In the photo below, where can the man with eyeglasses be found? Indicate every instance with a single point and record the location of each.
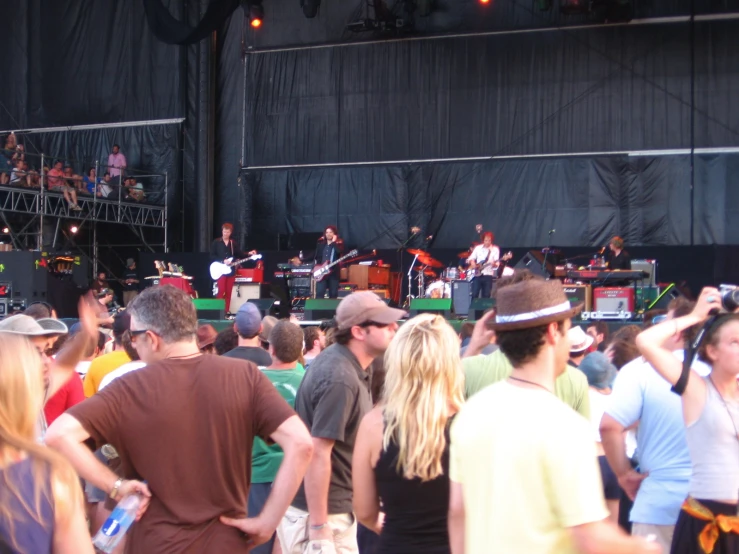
(331, 401)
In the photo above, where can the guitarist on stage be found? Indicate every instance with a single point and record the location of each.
(222, 250)
(483, 261)
(329, 249)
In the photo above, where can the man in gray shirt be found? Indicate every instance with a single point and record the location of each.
(331, 401)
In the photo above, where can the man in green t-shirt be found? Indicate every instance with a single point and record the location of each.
(285, 347)
(571, 387)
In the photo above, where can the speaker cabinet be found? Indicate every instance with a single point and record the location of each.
(320, 308)
(577, 294)
(441, 306)
(481, 305)
(613, 299)
(534, 262)
(210, 308)
(461, 297)
(243, 292)
(264, 304)
(664, 298)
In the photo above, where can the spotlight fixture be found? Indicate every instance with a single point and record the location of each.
(256, 15)
(484, 2)
(73, 229)
(310, 7)
(6, 231)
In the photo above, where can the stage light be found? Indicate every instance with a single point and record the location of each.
(256, 15)
(310, 7)
(6, 231)
(73, 229)
(484, 2)
(256, 23)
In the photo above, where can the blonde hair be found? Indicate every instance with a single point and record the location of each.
(21, 402)
(424, 386)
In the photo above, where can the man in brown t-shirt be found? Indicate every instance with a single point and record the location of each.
(185, 424)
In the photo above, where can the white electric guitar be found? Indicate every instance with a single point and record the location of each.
(219, 269)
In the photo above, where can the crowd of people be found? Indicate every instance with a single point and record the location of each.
(523, 433)
(115, 183)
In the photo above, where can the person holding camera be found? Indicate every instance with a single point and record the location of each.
(709, 520)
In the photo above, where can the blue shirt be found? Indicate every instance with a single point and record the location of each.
(641, 395)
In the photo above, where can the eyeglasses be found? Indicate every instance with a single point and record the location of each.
(374, 324)
(136, 333)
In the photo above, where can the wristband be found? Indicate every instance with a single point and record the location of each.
(116, 487)
(318, 527)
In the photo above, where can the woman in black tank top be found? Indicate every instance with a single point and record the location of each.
(400, 469)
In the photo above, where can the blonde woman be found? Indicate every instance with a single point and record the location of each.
(401, 456)
(41, 509)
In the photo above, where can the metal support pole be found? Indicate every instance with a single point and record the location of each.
(166, 204)
(41, 209)
(94, 250)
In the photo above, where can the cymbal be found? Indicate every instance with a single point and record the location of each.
(426, 270)
(416, 252)
(429, 261)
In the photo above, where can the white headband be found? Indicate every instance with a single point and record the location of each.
(528, 316)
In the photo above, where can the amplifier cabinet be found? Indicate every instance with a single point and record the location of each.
(577, 294)
(246, 291)
(613, 299)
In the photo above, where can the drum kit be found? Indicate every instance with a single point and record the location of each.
(440, 283)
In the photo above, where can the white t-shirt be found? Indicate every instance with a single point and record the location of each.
(125, 368)
(482, 254)
(82, 368)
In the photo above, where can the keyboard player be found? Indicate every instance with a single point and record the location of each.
(618, 258)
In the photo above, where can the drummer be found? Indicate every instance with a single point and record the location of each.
(482, 262)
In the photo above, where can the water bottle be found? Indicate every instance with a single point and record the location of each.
(116, 526)
(300, 256)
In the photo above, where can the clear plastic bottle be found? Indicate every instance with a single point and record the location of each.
(116, 526)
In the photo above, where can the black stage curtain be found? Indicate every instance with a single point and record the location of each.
(585, 200)
(606, 89)
(171, 30)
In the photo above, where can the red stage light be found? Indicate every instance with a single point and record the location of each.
(484, 1)
(256, 23)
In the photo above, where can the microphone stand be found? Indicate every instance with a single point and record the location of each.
(546, 255)
(410, 283)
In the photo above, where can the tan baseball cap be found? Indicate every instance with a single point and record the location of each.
(361, 307)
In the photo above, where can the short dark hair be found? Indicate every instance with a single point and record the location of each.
(465, 331)
(286, 340)
(106, 173)
(128, 346)
(601, 328)
(627, 332)
(333, 228)
(38, 310)
(523, 345)
(116, 146)
(311, 334)
(341, 336)
(167, 311)
(226, 340)
(624, 350)
(618, 242)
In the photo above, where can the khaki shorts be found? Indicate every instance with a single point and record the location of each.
(293, 534)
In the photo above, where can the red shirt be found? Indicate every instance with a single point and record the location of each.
(70, 394)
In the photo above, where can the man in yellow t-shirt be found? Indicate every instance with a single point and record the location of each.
(523, 467)
(103, 365)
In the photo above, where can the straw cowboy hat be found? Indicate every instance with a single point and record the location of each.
(530, 303)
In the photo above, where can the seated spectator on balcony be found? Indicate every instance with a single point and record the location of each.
(18, 176)
(135, 191)
(19, 154)
(57, 183)
(34, 179)
(73, 180)
(105, 186)
(90, 181)
(4, 178)
(116, 162)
